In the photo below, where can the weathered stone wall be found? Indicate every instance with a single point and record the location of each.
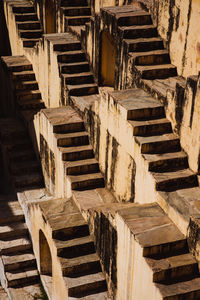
(178, 25)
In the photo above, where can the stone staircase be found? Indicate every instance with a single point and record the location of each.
(142, 42)
(27, 23)
(160, 148)
(76, 14)
(76, 77)
(76, 251)
(26, 90)
(174, 271)
(21, 161)
(82, 169)
(15, 247)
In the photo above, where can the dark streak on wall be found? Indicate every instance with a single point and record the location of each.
(186, 37)
(192, 81)
(114, 160)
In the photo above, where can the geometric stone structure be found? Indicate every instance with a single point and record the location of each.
(99, 140)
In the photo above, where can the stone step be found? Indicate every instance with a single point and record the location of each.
(20, 66)
(72, 139)
(73, 68)
(159, 144)
(14, 229)
(11, 212)
(75, 56)
(23, 155)
(167, 161)
(77, 11)
(82, 89)
(157, 57)
(77, 153)
(23, 9)
(26, 85)
(134, 18)
(78, 78)
(26, 17)
(171, 181)
(151, 127)
(31, 104)
(28, 180)
(75, 229)
(29, 43)
(99, 296)
(28, 75)
(28, 95)
(21, 167)
(69, 127)
(29, 25)
(185, 290)
(82, 265)
(18, 261)
(69, 46)
(144, 44)
(174, 269)
(157, 71)
(31, 34)
(86, 285)
(13, 246)
(26, 276)
(86, 166)
(87, 181)
(77, 20)
(141, 31)
(3, 294)
(146, 113)
(76, 247)
(69, 3)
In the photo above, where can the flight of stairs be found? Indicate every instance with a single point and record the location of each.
(81, 167)
(27, 22)
(15, 247)
(76, 13)
(26, 90)
(173, 269)
(142, 42)
(23, 166)
(76, 77)
(80, 263)
(159, 146)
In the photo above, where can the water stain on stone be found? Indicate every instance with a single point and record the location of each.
(198, 52)
(180, 37)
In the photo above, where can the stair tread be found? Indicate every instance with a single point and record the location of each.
(27, 22)
(166, 176)
(136, 27)
(24, 82)
(73, 7)
(147, 53)
(75, 242)
(83, 162)
(17, 258)
(74, 63)
(156, 138)
(171, 262)
(77, 75)
(77, 17)
(64, 222)
(30, 30)
(179, 288)
(20, 275)
(75, 149)
(10, 209)
(85, 259)
(70, 52)
(143, 40)
(4, 229)
(136, 123)
(70, 135)
(84, 280)
(23, 72)
(79, 86)
(164, 156)
(27, 92)
(79, 178)
(155, 67)
(14, 243)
